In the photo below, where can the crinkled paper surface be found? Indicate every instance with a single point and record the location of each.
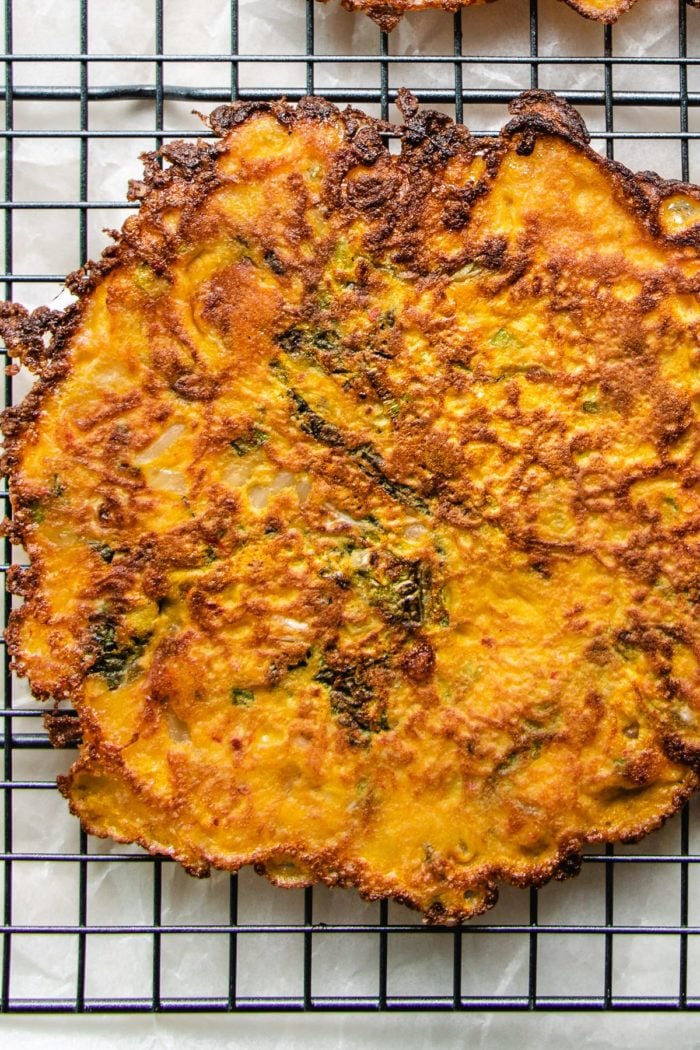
(48, 242)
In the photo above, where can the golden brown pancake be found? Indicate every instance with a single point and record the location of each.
(361, 498)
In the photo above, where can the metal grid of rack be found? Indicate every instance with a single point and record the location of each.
(462, 967)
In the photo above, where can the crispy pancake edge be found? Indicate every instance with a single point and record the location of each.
(387, 15)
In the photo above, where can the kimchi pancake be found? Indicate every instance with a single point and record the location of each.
(360, 494)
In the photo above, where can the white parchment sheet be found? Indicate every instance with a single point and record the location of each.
(47, 242)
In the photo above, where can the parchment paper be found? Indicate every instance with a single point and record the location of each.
(47, 242)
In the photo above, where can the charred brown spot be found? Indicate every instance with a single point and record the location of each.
(193, 387)
(418, 662)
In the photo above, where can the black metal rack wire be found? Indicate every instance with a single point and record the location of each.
(666, 944)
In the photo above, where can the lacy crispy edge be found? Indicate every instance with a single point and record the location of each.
(388, 13)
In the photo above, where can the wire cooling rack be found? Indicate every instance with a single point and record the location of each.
(88, 925)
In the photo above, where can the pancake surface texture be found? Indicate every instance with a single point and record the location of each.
(361, 498)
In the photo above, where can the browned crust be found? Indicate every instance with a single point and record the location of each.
(41, 338)
(329, 868)
(609, 15)
(387, 15)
